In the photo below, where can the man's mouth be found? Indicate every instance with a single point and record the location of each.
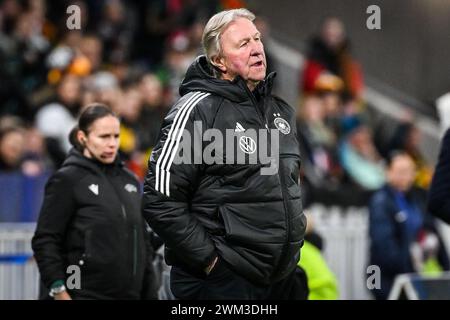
(257, 64)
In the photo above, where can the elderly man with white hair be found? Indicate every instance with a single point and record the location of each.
(232, 230)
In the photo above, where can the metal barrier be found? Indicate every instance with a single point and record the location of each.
(345, 234)
(19, 276)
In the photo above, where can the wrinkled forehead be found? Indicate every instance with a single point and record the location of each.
(238, 30)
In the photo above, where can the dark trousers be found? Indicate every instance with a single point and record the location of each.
(224, 284)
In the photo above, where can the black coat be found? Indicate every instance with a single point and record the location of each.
(254, 222)
(439, 195)
(91, 218)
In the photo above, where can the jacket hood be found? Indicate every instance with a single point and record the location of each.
(75, 158)
(200, 77)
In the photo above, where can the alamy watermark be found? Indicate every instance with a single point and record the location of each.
(74, 279)
(374, 277)
(236, 147)
(73, 22)
(373, 22)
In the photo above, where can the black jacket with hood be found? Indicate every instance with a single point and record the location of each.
(91, 218)
(254, 222)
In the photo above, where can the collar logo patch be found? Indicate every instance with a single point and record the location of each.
(94, 188)
(130, 188)
(282, 125)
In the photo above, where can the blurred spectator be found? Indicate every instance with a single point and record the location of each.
(56, 119)
(407, 138)
(329, 61)
(178, 56)
(22, 47)
(12, 148)
(403, 235)
(359, 157)
(116, 29)
(317, 141)
(153, 110)
(103, 87)
(91, 47)
(165, 17)
(129, 111)
(36, 160)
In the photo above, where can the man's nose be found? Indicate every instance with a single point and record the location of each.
(257, 49)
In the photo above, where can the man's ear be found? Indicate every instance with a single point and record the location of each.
(219, 63)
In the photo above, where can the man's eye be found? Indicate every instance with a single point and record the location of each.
(244, 44)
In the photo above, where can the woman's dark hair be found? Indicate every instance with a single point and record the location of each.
(90, 114)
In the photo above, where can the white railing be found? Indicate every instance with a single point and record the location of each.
(19, 276)
(345, 234)
(346, 247)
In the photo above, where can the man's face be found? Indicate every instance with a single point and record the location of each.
(242, 53)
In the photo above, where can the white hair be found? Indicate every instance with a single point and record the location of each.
(216, 25)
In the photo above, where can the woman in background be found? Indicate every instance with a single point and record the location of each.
(91, 218)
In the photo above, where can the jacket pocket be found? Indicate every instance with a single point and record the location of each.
(254, 223)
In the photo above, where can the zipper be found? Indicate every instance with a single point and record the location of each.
(255, 103)
(286, 216)
(134, 251)
(124, 212)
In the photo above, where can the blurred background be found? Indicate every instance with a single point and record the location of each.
(359, 94)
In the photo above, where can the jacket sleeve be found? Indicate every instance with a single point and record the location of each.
(47, 243)
(169, 186)
(439, 195)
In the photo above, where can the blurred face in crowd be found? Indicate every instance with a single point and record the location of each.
(332, 103)
(114, 11)
(101, 142)
(401, 173)
(333, 33)
(242, 53)
(12, 147)
(413, 140)
(131, 105)
(151, 90)
(69, 90)
(92, 48)
(35, 141)
(313, 109)
(360, 137)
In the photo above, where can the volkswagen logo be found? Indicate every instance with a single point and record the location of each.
(247, 144)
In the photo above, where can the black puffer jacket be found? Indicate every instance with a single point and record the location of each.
(91, 217)
(253, 221)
